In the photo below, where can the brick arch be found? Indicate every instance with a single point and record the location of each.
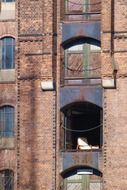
(7, 36)
(7, 104)
(6, 168)
(8, 28)
(8, 176)
(73, 170)
(80, 40)
(81, 103)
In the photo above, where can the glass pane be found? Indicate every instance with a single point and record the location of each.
(8, 48)
(74, 177)
(3, 53)
(76, 48)
(6, 180)
(82, 9)
(95, 64)
(74, 186)
(82, 6)
(2, 122)
(95, 48)
(83, 61)
(74, 6)
(7, 121)
(0, 53)
(95, 6)
(8, 53)
(75, 65)
(95, 186)
(9, 115)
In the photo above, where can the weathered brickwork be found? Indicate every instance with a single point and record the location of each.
(36, 156)
(36, 107)
(120, 11)
(114, 102)
(114, 172)
(7, 29)
(35, 17)
(8, 96)
(35, 136)
(36, 60)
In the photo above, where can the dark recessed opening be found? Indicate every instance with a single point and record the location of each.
(82, 120)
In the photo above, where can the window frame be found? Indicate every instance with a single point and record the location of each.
(85, 181)
(7, 50)
(85, 52)
(82, 9)
(7, 176)
(7, 122)
(7, 1)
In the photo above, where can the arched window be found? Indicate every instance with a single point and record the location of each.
(82, 61)
(82, 178)
(6, 180)
(7, 121)
(7, 53)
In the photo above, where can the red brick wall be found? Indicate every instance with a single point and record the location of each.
(35, 107)
(8, 96)
(114, 102)
(115, 121)
(37, 61)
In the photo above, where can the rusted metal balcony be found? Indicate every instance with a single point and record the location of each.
(75, 10)
(92, 158)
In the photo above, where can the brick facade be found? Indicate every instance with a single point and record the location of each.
(115, 100)
(36, 157)
(36, 107)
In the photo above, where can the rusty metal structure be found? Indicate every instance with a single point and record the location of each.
(81, 95)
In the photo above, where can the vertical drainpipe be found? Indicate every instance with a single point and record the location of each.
(112, 29)
(112, 42)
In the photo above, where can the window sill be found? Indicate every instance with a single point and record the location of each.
(8, 20)
(7, 143)
(81, 81)
(79, 151)
(7, 75)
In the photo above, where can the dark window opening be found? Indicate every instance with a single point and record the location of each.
(6, 180)
(81, 127)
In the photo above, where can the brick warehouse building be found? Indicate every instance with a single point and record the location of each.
(63, 95)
